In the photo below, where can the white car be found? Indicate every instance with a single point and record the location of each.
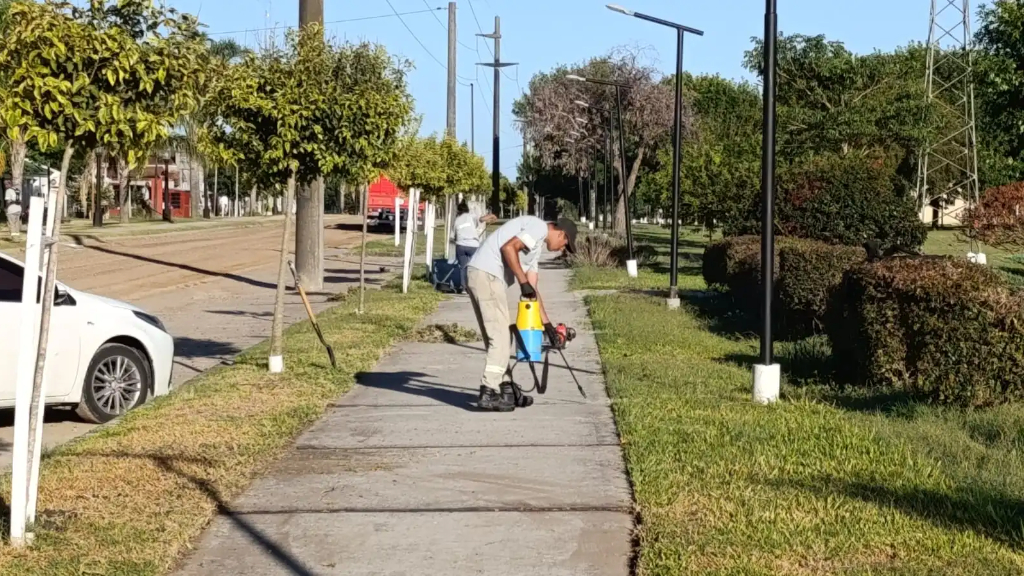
(104, 358)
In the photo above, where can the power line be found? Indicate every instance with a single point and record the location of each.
(413, 34)
(478, 27)
(333, 21)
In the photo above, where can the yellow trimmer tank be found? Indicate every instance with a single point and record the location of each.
(531, 328)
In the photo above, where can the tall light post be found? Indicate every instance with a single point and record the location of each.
(631, 263)
(607, 156)
(767, 374)
(681, 31)
(497, 65)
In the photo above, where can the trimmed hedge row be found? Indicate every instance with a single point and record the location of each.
(933, 327)
(807, 274)
(937, 327)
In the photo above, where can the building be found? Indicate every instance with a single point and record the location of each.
(940, 213)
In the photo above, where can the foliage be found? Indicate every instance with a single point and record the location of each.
(1000, 88)
(720, 167)
(845, 200)
(997, 220)
(810, 279)
(550, 113)
(936, 327)
(438, 168)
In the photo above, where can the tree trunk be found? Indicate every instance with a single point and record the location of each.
(308, 249)
(593, 201)
(19, 151)
(619, 225)
(362, 255)
(47, 298)
(276, 361)
(86, 184)
(252, 201)
(122, 189)
(97, 193)
(341, 198)
(196, 181)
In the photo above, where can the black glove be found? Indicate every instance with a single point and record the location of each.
(553, 336)
(528, 291)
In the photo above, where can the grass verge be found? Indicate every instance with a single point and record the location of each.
(130, 499)
(826, 482)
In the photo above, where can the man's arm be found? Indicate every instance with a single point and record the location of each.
(534, 278)
(510, 253)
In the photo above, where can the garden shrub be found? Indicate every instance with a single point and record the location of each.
(810, 279)
(933, 327)
(609, 251)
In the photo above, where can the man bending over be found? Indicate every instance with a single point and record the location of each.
(511, 254)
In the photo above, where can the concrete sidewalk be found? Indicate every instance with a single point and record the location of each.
(404, 477)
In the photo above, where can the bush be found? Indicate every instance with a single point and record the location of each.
(735, 265)
(934, 327)
(838, 200)
(606, 251)
(810, 279)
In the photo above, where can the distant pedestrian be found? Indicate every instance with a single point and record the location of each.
(468, 232)
(223, 201)
(12, 207)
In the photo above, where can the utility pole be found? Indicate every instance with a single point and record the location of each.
(472, 118)
(309, 211)
(496, 151)
(452, 68)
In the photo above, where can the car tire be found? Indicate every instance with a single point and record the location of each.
(119, 379)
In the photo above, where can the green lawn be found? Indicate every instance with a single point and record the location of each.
(953, 243)
(130, 499)
(826, 482)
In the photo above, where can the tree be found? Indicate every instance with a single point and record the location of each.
(549, 109)
(357, 102)
(169, 71)
(1000, 90)
(66, 76)
(997, 220)
(304, 111)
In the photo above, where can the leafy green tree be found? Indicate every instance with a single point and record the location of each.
(1000, 91)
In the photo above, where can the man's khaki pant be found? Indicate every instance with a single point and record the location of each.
(14, 224)
(487, 293)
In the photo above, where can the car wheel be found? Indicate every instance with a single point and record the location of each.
(118, 379)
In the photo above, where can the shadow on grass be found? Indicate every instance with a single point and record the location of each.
(720, 314)
(984, 511)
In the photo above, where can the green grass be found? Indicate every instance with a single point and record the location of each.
(828, 481)
(652, 275)
(953, 243)
(130, 499)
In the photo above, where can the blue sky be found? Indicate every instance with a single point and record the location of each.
(542, 34)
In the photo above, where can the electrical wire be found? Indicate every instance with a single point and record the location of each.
(416, 38)
(361, 19)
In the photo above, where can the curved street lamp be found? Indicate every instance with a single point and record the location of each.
(673, 290)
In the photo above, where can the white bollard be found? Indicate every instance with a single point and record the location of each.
(631, 267)
(766, 383)
(409, 235)
(29, 318)
(977, 258)
(398, 221)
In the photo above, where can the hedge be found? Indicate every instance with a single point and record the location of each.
(933, 327)
(807, 274)
(810, 280)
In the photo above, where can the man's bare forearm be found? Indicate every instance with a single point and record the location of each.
(511, 257)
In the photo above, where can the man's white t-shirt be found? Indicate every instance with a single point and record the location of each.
(468, 230)
(532, 231)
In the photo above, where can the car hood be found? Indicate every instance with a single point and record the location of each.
(85, 296)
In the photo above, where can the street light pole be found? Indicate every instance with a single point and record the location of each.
(606, 212)
(767, 374)
(673, 290)
(496, 150)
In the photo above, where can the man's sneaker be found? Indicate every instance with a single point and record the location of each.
(513, 392)
(491, 400)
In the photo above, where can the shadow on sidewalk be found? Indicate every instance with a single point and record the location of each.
(414, 383)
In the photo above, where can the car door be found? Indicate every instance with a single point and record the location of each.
(63, 352)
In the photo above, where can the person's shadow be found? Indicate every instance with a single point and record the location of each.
(416, 384)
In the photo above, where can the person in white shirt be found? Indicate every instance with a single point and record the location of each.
(12, 207)
(468, 232)
(511, 254)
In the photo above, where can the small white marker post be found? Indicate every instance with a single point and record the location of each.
(409, 234)
(428, 228)
(398, 221)
(29, 323)
(37, 452)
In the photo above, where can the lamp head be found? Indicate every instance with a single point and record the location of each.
(576, 78)
(619, 9)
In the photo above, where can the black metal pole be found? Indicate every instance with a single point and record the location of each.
(168, 213)
(768, 183)
(622, 175)
(673, 290)
(496, 151)
(609, 178)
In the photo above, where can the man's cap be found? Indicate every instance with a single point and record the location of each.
(569, 227)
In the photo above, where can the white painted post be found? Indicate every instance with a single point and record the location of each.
(398, 220)
(449, 212)
(411, 219)
(428, 229)
(30, 314)
(37, 452)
